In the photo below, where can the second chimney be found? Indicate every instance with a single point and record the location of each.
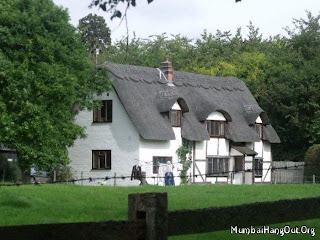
(166, 68)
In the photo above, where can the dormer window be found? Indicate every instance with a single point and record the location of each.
(175, 118)
(216, 128)
(259, 129)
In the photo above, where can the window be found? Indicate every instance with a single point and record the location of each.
(216, 128)
(101, 159)
(175, 118)
(104, 114)
(258, 165)
(158, 160)
(217, 166)
(259, 129)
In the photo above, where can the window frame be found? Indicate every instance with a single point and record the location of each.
(154, 166)
(106, 154)
(217, 174)
(215, 122)
(260, 130)
(108, 108)
(258, 172)
(178, 119)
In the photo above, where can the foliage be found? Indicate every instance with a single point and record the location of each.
(112, 6)
(95, 33)
(313, 157)
(185, 158)
(45, 77)
(63, 173)
(282, 73)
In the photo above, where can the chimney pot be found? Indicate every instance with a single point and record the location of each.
(166, 68)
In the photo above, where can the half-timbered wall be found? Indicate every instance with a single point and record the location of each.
(215, 147)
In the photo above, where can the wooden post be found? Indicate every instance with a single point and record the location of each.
(81, 177)
(143, 178)
(232, 175)
(253, 170)
(115, 179)
(151, 208)
(54, 176)
(314, 179)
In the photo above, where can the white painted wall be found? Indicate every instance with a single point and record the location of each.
(218, 116)
(263, 148)
(258, 120)
(267, 160)
(176, 106)
(151, 148)
(120, 136)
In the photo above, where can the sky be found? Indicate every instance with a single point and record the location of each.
(191, 17)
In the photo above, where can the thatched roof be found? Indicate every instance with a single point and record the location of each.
(145, 96)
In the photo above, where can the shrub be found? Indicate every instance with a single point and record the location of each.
(313, 157)
(63, 173)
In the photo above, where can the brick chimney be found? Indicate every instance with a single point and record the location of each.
(166, 68)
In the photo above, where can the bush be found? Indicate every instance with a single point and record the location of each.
(63, 173)
(313, 157)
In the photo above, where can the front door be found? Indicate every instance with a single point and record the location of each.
(239, 173)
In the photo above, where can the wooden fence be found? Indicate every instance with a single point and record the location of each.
(289, 175)
(148, 218)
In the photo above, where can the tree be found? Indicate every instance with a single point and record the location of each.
(312, 160)
(95, 34)
(45, 77)
(292, 97)
(111, 6)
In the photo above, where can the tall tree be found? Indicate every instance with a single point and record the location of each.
(112, 6)
(45, 76)
(95, 34)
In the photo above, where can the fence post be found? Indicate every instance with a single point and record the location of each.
(54, 176)
(115, 179)
(143, 178)
(314, 179)
(81, 177)
(151, 208)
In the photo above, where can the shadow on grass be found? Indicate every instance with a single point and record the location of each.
(16, 203)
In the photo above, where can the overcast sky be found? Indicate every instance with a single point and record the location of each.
(190, 17)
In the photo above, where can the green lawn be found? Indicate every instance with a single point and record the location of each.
(72, 203)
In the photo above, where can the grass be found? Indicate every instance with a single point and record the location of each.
(73, 203)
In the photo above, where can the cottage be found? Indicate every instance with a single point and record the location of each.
(151, 110)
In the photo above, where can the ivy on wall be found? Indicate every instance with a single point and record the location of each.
(185, 158)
